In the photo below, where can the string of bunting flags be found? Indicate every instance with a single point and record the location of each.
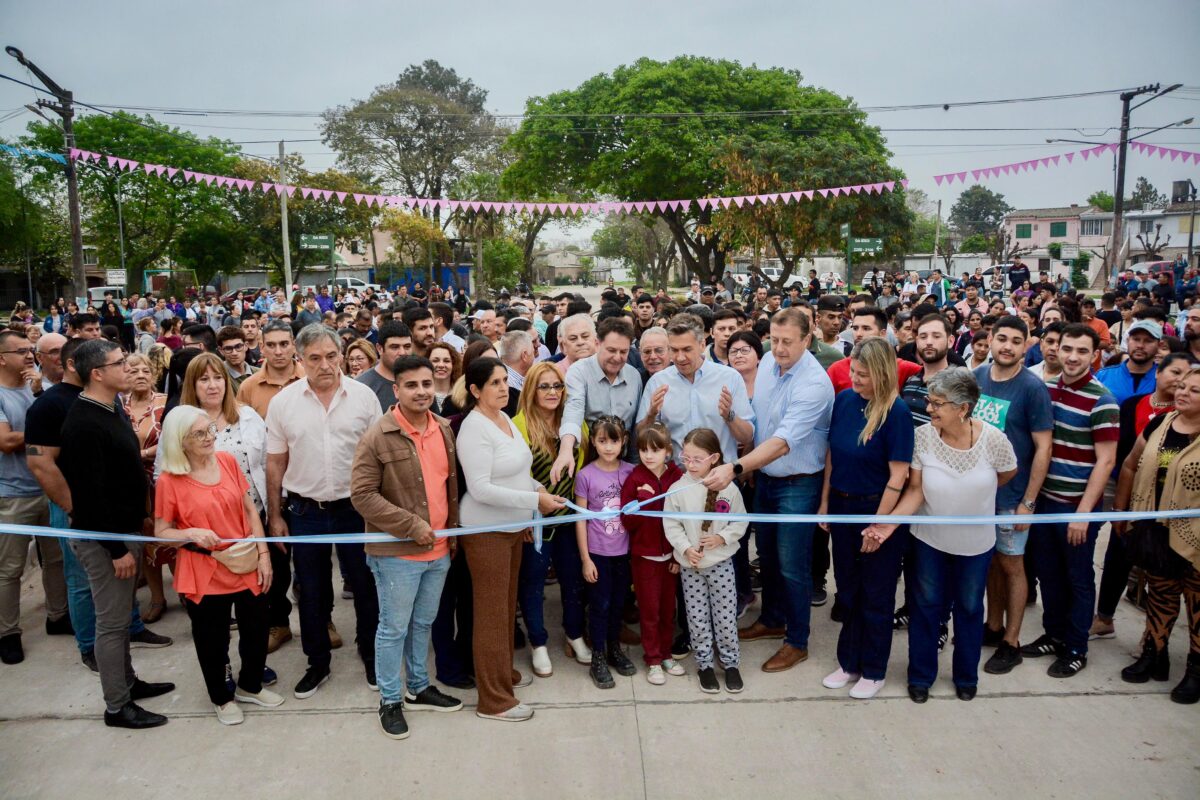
(636, 207)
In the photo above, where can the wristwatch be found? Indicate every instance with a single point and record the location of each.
(1029, 504)
(738, 469)
(729, 415)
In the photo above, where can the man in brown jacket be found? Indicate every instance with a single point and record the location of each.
(403, 483)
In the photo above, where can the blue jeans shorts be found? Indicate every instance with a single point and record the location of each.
(1010, 542)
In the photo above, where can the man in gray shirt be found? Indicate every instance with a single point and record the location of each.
(600, 384)
(394, 340)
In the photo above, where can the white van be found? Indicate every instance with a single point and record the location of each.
(96, 294)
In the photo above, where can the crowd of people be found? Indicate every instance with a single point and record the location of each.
(335, 415)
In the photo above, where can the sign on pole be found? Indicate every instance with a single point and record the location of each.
(866, 245)
(845, 229)
(1069, 252)
(315, 241)
(114, 277)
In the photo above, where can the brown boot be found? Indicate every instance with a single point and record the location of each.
(785, 658)
(760, 631)
(335, 638)
(279, 636)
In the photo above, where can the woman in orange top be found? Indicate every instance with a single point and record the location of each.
(201, 499)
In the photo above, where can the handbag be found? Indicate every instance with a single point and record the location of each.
(240, 557)
(1149, 547)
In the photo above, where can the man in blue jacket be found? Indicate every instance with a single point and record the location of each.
(1136, 374)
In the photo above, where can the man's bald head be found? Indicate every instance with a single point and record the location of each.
(49, 355)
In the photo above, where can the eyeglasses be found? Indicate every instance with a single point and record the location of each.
(208, 433)
(937, 405)
(120, 362)
(689, 461)
(233, 348)
(740, 351)
(22, 351)
(550, 387)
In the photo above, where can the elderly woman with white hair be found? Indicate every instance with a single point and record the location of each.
(958, 464)
(203, 499)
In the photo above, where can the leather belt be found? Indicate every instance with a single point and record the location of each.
(324, 505)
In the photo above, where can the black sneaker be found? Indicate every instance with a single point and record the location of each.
(465, 683)
(60, 626)
(1044, 645)
(347, 593)
(391, 719)
(733, 680)
(1004, 660)
(708, 681)
(369, 669)
(269, 676)
(620, 662)
(11, 651)
(148, 638)
(1068, 665)
(900, 619)
(312, 680)
(992, 638)
(431, 699)
(89, 660)
(141, 690)
(943, 636)
(838, 612)
(681, 647)
(819, 596)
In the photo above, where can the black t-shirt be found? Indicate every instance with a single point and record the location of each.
(1173, 444)
(44, 419)
(1017, 276)
(1110, 316)
(908, 352)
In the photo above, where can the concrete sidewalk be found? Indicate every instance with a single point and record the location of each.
(1025, 735)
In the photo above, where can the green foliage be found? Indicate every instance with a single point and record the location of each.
(209, 247)
(503, 261)
(155, 209)
(978, 210)
(642, 244)
(33, 224)
(416, 135)
(1079, 270)
(1102, 200)
(1055, 250)
(1145, 194)
(975, 243)
(631, 155)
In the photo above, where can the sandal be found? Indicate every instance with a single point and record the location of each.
(155, 611)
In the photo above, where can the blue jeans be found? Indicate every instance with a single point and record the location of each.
(946, 580)
(409, 593)
(606, 600)
(79, 591)
(563, 550)
(1067, 575)
(785, 553)
(866, 589)
(314, 572)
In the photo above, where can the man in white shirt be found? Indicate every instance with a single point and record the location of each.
(313, 428)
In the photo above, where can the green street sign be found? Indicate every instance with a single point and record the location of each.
(845, 229)
(866, 245)
(310, 241)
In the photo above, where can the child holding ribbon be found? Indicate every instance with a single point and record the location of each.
(704, 549)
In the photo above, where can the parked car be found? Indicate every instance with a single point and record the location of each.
(1152, 268)
(96, 294)
(247, 291)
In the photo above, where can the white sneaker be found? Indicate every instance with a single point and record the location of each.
(265, 698)
(229, 714)
(865, 689)
(579, 649)
(541, 662)
(673, 667)
(522, 680)
(655, 675)
(838, 679)
(518, 713)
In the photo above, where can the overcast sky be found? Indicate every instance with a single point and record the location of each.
(304, 55)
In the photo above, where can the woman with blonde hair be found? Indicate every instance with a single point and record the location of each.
(159, 357)
(540, 411)
(203, 498)
(360, 357)
(866, 468)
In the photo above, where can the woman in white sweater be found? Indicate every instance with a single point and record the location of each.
(495, 463)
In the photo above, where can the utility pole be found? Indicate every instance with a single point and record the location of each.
(937, 233)
(1118, 237)
(65, 109)
(283, 223)
(1192, 225)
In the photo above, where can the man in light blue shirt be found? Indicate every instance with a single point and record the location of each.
(793, 403)
(697, 393)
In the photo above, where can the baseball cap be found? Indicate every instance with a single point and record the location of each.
(831, 302)
(1149, 326)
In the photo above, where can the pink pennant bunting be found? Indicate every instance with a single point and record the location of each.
(290, 190)
(341, 196)
(938, 179)
(808, 194)
(704, 202)
(1033, 164)
(326, 194)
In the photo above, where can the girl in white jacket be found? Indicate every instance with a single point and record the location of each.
(704, 549)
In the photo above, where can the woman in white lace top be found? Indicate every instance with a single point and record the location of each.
(958, 463)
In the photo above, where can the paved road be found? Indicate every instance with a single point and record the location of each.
(1026, 735)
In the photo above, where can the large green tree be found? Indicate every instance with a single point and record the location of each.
(978, 210)
(33, 229)
(1144, 194)
(154, 210)
(416, 135)
(656, 130)
(644, 244)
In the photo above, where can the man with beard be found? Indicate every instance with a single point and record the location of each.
(1191, 334)
(643, 317)
(1014, 400)
(932, 343)
(830, 314)
(1136, 374)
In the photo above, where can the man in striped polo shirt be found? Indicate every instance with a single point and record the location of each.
(1086, 427)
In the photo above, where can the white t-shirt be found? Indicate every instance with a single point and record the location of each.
(960, 482)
